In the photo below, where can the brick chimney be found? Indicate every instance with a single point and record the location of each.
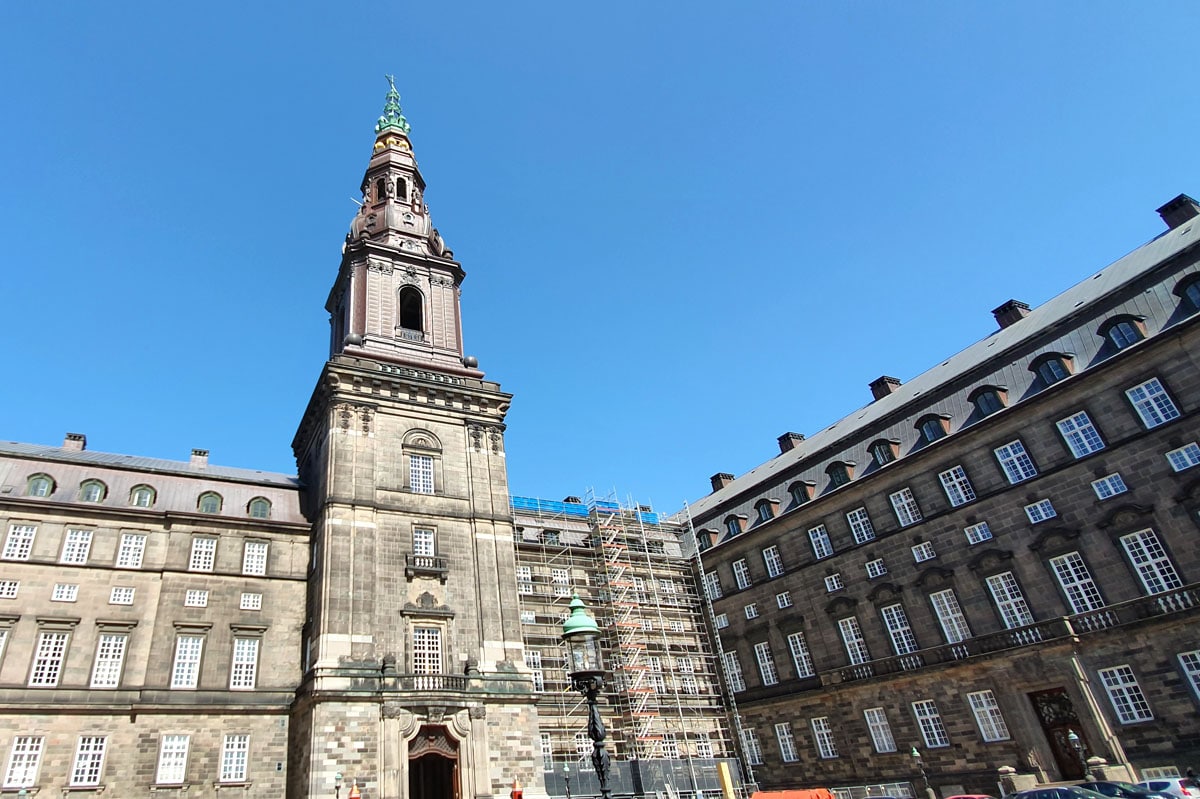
(1010, 312)
(882, 386)
(75, 442)
(789, 441)
(199, 458)
(1179, 210)
(720, 480)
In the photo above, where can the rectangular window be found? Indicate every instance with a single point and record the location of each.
(751, 610)
(881, 731)
(930, 722)
(741, 573)
(1152, 403)
(528, 617)
(1109, 486)
(64, 593)
(923, 552)
(48, 659)
(751, 747)
(766, 663)
(670, 746)
(234, 754)
(1009, 600)
(1154, 568)
(1015, 462)
(1077, 582)
(547, 752)
(712, 585)
(1040, 511)
(561, 580)
(896, 621)
(245, 664)
(121, 595)
(721, 620)
(675, 626)
(823, 737)
(787, 742)
(773, 561)
(420, 473)
(958, 487)
(533, 659)
(129, 554)
(110, 654)
(524, 580)
(852, 637)
(195, 598)
(978, 533)
(1190, 662)
(834, 582)
(783, 599)
(583, 751)
(185, 673)
(876, 568)
(1185, 457)
(860, 525)
(801, 657)
(172, 760)
(988, 716)
(23, 761)
(251, 601)
(1080, 434)
(204, 555)
(427, 650)
(254, 558)
(8, 589)
(423, 542)
(950, 616)
(905, 505)
(733, 671)
(19, 543)
(1126, 695)
(89, 760)
(820, 541)
(76, 546)
(704, 747)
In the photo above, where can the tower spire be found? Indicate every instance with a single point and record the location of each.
(393, 117)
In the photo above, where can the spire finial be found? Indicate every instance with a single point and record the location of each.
(392, 118)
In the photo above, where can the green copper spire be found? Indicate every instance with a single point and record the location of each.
(392, 118)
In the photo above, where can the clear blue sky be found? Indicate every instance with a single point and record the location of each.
(687, 227)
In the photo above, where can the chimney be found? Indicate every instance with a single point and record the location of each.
(789, 441)
(1179, 210)
(75, 442)
(882, 386)
(199, 458)
(1009, 312)
(720, 480)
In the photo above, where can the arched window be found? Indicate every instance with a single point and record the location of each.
(1188, 290)
(1123, 331)
(92, 491)
(401, 190)
(840, 472)
(988, 399)
(801, 491)
(411, 310)
(380, 193)
(210, 502)
(733, 525)
(885, 450)
(765, 509)
(933, 426)
(142, 497)
(1051, 367)
(39, 485)
(259, 508)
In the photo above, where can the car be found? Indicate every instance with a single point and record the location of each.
(1123, 790)
(1059, 792)
(1180, 787)
(971, 796)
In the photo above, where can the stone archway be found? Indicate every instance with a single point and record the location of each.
(433, 771)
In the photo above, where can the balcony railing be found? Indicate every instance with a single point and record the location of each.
(426, 566)
(431, 682)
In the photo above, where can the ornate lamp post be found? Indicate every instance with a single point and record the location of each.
(916, 753)
(582, 637)
(337, 785)
(1077, 744)
(567, 778)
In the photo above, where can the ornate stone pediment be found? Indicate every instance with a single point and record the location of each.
(885, 592)
(1055, 541)
(1127, 515)
(989, 559)
(842, 604)
(427, 605)
(433, 739)
(934, 577)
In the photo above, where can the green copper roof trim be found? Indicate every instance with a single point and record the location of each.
(393, 118)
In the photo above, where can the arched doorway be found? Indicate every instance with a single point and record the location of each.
(433, 765)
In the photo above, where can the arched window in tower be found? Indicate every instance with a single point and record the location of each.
(380, 194)
(411, 325)
(401, 190)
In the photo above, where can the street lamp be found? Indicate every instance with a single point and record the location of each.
(567, 778)
(929, 793)
(337, 785)
(582, 637)
(1077, 744)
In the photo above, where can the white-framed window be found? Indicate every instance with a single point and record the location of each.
(977, 533)
(131, 550)
(76, 546)
(533, 659)
(1109, 486)
(900, 631)
(957, 486)
(721, 620)
(852, 637)
(1006, 592)
(1185, 457)
(48, 659)
(905, 505)
(1081, 435)
(19, 543)
(64, 592)
(1015, 462)
(583, 751)
(923, 551)
(244, 672)
(420, 473)
(801, 657)
(422, 542)
(675, 626)
(1126, 695)
(250, 601)
(195, 598)
(121, 595)
(670, 746)
(834, 582)
(89, 760)
(1152, 403)
(204, 554)
(988, 716)
(704, 747)
(860, 525)
(773, 561)
(1077, 582)
(1190, 663)
(235, 753)
(1040, 511)
(930, 722)
(524, 580)
(427, 650)
(528, 617)
(110, 655)
(819, 537)
(8, 589)
(783, 599)
(733, 671)
(712, 585)
(23, 761)
(185, 671)
(876, 568)
(547, 747)
(254, 558)
(751, 610)
(141, 497)
(766, 663)
(881, 731)
(561, 580)
(92, 491)
(172, 759)
(787, 742)
(950, 616)
(741, 573)
(751, 746)
(823, 738)
(1150, 559)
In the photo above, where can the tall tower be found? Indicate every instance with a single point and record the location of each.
(414, 675)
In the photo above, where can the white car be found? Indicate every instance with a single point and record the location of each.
(1183, 787)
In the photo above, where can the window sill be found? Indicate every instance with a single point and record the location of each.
(84, 789)
(182, 787)
(28, 790)
(225, 786)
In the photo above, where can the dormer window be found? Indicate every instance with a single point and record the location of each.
(141, 497)
(933, 426)
(840, 472)
(765, 509)
(210, 502)
(1188, 290)
(259, 508)
(411, 306)
(1123, 331)
(801, 491)
(885, 450)
(988, 399)
(39, 485)
(92, 491)
(1051, 367)
(733, 525)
